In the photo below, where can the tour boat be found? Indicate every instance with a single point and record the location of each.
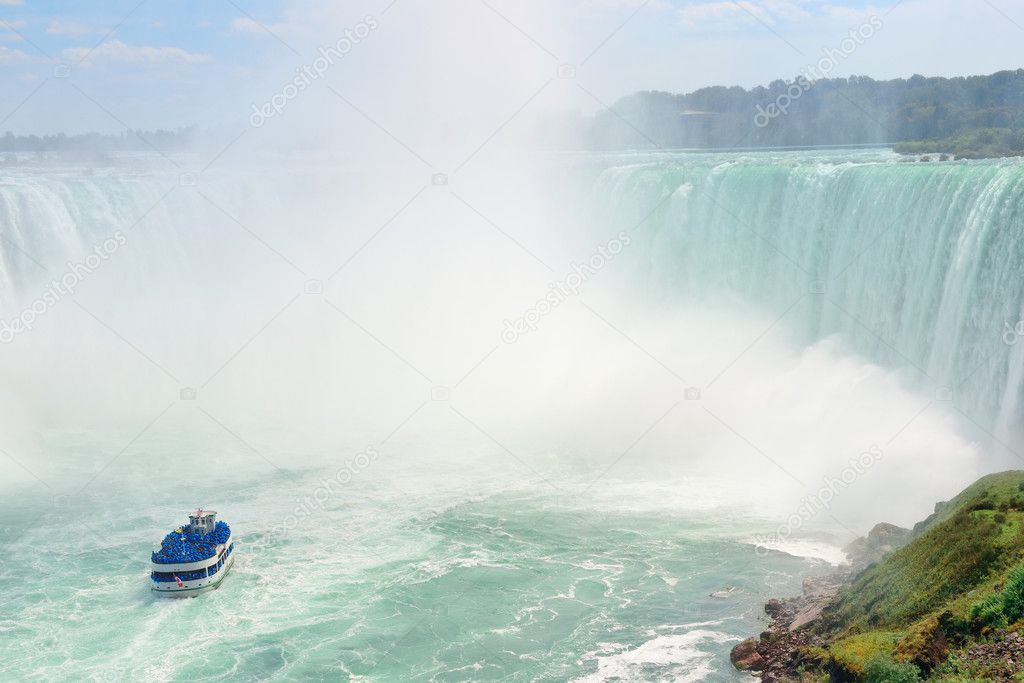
(193, 558)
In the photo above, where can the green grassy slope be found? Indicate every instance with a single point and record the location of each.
(916, 604)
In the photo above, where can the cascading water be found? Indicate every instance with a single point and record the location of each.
(918, 265)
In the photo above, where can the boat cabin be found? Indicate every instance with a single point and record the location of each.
(202, 521)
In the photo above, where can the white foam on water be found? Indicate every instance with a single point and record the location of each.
(677, 657)
(805, 548)
(429, 570)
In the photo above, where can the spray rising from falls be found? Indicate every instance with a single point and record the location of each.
(918, 266)
(257, 284)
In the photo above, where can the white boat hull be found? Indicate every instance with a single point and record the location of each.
(192, 588)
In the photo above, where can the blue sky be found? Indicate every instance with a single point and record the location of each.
(197, 26)
(175, 62)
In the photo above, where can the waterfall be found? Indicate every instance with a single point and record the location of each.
(49, 219)
(918, 266)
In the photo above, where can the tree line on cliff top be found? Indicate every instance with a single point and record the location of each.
(968, 116)
(802, 112)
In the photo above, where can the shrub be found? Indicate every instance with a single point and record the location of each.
(957, 629)
(988, 613)
(1013, 595)
(882, 669)
(925, 645)
(813, 657)
(851, 654)
(984, 503)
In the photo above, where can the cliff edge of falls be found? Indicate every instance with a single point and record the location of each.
(941, 602)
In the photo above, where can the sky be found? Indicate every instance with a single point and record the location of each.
(116, 64)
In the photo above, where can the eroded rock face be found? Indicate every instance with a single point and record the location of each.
(923, 525)
(745, 656)
(880, 541)
(885, 535)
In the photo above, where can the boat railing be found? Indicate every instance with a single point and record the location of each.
(166, 573)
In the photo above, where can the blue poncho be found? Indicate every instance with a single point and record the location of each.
(187, 546)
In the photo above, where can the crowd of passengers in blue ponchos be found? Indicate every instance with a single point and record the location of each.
(190, 546)
(166, 577)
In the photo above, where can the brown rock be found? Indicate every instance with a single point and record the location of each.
(807, 615)
(745, 656)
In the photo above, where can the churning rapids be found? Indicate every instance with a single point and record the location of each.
(323, 358)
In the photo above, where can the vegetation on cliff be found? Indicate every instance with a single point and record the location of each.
(947, 606)
(983, 143)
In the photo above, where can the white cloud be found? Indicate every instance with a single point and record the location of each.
(12, 56)
(258, 28)
(625, 4)
(728, 13)
(9, 30)
(60, 27)
(8, 3)
(118, 51)
(246, 25)
(852, 14)
(745, 12)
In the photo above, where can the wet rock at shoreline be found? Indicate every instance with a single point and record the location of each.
(745, 656)
(784, 645)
